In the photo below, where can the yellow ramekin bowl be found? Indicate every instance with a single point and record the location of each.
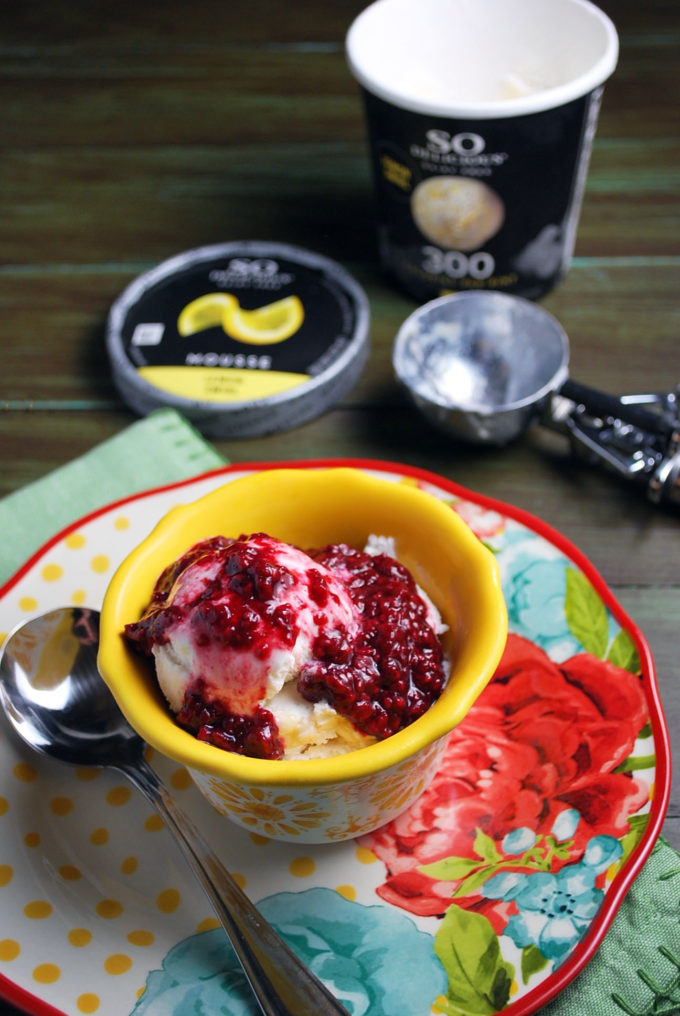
(317, 800)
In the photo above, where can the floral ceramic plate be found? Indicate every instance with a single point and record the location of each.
(488, 896)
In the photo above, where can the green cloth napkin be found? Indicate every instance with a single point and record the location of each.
(159, 449)
(635, 972)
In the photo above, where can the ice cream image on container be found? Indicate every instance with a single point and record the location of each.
(274, 652)
(457, 212)
(480, 118)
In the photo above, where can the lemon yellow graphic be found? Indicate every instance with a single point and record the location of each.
(204, 312)
(259, 327)
(272, 323)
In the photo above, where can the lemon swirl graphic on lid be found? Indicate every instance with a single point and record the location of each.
(205, 312)
(262, 326)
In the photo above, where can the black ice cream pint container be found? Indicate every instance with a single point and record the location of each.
(480, 119)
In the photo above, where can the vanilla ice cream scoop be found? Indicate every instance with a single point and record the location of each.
(262, 648)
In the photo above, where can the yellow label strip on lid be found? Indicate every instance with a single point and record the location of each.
(221, 384)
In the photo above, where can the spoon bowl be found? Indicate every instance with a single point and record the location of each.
(56, 701)
(74, 719)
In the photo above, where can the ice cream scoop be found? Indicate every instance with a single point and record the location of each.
(483, 367)
(270, 651)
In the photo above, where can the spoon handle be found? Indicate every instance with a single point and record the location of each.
(282, 984)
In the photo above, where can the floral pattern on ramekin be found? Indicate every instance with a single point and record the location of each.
(348, 809)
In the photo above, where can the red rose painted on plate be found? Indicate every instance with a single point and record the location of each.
(543, 740)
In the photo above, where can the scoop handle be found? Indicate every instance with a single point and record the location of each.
(609, 405)
(281, 983)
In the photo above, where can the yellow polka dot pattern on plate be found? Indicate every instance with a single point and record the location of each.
(181, 779)
(38, 910)
(302, 867)
(46, 973)
(87, 773)
(109, 909)
(117, 963)
(100, 563)
(70, 873)
(129, 865)
(122, 523)
(9, 950)
(52, 572)
(6, 874)
(75, 541)
(88, 1002)
(168, 900)
(61, 805)
(348, 891)
(141, 937)
(25, 772)
(118, 796)
(79, 937)
(259, 840)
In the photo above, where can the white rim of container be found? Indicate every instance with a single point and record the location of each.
(537, 102)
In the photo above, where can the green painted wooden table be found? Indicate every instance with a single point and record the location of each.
(131, 132)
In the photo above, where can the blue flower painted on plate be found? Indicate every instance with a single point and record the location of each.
(555, 909)
(519, 840)
(534, 585)
(552, 603)
(565, 824)
(373, 958)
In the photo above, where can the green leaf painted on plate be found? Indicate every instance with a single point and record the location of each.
(634, 763)
(637, 825)
(586, 614)
(474, 874)
(623, 652)
(474, 882)
(449, 869)
(486, 848)
(533, 961)
(479, 978)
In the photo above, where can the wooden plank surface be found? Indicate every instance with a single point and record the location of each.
(133, 131)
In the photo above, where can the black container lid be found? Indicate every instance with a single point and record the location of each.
(243, 338)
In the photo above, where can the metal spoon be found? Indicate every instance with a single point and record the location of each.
(59, 705)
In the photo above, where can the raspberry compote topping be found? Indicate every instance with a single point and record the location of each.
(351, 625)
(394, 670)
